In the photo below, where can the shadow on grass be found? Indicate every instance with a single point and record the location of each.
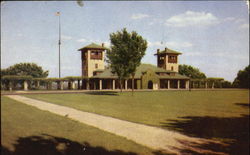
(233, 131)
(246, 105)
(50, 145)
(111, 93)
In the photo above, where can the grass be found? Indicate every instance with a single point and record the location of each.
(27, 130)
(155, 108)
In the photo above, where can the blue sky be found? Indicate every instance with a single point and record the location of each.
(213, 36)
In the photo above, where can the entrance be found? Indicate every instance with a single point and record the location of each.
(150, 85)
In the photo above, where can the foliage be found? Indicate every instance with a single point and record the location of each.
(127, 50)
(73, 78)
(243, 78)
(191, 72)
(25, 69)
(226, 84)
(15, 78)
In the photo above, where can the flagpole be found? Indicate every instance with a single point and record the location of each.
(59, 45)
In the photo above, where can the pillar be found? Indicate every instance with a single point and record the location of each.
(73, 86)
(168, 84)
(113, 84)
(187, 84)
(126, 84)
(213, 85)
(25, 85)
(100, 84)
(61, 85)
(87, 84)
(178, 84)
(206, 84)
(10, 86)
(37, 84)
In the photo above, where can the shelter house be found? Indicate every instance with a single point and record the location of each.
(163, 76)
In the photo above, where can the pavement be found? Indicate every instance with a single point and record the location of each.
(152, 137)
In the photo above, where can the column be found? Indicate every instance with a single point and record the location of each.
(187, 84)
(100, 84)
(113, 84)
(37, 84)
(206, 84)
(168, 84)
(126, 84)
(87, 84)
(73, 86)
(213, 85)
(61, 85)
(25, 85)
(10, 86)
(178, 84)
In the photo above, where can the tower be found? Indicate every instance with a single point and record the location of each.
(168, 59)
(92, 59)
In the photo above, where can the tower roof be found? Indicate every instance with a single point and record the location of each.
(167, 51)
(93, 46)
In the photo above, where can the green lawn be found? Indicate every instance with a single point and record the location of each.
(213, 114)
(28, 130)
(155, 108)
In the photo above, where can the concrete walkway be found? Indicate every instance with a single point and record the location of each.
(152, 137)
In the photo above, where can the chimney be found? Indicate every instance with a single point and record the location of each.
(158, 51)
(165, 49)
(102, 44)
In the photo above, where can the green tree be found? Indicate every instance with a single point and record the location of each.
(191, 72)
(127, 50)
(243, 78)
(25, 69)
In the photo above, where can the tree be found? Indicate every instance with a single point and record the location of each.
(25, 69)
(127, 50)
(243, 78)
(191, 72)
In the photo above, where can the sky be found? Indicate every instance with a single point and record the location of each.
(212, 35)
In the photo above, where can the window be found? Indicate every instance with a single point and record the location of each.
(96, 66)
(172, 68)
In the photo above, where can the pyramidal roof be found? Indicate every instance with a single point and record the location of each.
(168, 51)
(92, 46)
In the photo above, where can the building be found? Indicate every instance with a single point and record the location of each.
(163, 76)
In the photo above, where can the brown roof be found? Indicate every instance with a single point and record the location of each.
(168, 51)
(92, 46)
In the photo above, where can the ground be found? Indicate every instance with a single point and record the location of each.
(221, 115)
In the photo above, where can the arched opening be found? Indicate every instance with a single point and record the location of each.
(150, 84)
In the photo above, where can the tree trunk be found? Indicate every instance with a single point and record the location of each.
(133, 83)
(120, 82)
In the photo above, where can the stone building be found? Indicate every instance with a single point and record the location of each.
(163, 76)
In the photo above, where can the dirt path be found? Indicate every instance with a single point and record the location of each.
(152, 137)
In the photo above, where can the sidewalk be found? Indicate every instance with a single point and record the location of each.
(152, 137)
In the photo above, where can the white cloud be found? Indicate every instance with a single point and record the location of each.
(191, 18)
(139, 16)
(82, 40)
(170, 44)
(64, 37)
(244, 26)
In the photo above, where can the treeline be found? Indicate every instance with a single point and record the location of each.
(241, 81)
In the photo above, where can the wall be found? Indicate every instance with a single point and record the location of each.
(92, 62)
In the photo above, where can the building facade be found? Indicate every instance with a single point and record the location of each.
(163, 76)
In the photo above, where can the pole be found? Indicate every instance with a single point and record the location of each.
(59, 44)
